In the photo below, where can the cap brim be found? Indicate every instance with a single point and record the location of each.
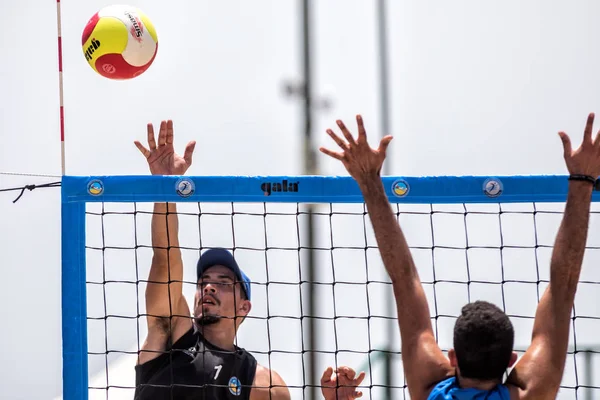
(219, 256)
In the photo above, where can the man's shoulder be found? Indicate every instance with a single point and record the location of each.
(268, 384)
(440, 388)
(518, 393)
(263, 375)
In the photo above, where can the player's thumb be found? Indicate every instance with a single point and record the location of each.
(566, 144)
(385, 142)
(189, 151)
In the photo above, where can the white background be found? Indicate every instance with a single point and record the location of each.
(477, 88)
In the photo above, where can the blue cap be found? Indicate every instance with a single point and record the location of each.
(219, 256)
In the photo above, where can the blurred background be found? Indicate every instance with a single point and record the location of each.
(465, 87)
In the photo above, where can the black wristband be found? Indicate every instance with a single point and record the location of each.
(586, 178)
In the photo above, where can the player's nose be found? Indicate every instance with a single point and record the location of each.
(209, 288)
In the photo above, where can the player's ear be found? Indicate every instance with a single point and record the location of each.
(246, 306)
(452, 358)
(513, 359)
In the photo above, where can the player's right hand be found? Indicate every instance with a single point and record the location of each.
(344, 383)
(586, 159)
(162, 158)
(362, 162)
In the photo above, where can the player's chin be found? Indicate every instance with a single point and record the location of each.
(206, 309)
(207, 319)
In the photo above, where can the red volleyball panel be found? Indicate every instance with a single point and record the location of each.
(113, 66)
(89, 28)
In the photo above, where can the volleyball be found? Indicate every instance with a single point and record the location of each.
(119, 42)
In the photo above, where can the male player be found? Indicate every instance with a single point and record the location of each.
(195, 358)
(483, 334)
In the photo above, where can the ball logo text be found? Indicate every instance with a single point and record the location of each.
(136, 30)
(91, 49)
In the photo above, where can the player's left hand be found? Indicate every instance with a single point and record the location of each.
(162, 159)
(361, 161)
(586, 159)
(344, 383)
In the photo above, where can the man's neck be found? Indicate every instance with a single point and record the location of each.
(218, 335)
(467, 383)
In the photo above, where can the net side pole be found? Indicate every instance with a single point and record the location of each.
(588, 374)
(60, 89)
(384, 119)
(74, 304)
(310, 168)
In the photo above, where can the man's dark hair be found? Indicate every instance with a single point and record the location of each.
(483, 341)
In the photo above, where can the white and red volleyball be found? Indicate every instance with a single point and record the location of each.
(119, 42)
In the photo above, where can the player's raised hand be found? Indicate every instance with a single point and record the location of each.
(342, 385)
(586, 159)
(361, 161)
(161, 157)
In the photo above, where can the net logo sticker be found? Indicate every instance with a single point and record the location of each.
(279, 187)
(235, 386)
(493, 187)
(400, 188)
(185, 187)
(95, 187)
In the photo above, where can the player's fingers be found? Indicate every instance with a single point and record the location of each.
(385, 142)
(337, 156)
(189, 151)
(338, 140)
(360, 378)
(142, 149)
(349, 372)
(597, 139)
(362, 133)
(358, 395)
(327, 375)
(589, 125)
(151, 141)
(566, 141)
(162, 133)
(346, 132)
(169, 138)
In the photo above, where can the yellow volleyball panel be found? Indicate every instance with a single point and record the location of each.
(109, 36)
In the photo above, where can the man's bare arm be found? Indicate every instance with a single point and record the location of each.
(168, 312)
(423, 360)
(164, 291)
(539, 373)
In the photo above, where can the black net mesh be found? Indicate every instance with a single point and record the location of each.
(498, 252)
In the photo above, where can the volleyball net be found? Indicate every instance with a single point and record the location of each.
(471, 238)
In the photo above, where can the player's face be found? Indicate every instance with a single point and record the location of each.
(218, 298)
